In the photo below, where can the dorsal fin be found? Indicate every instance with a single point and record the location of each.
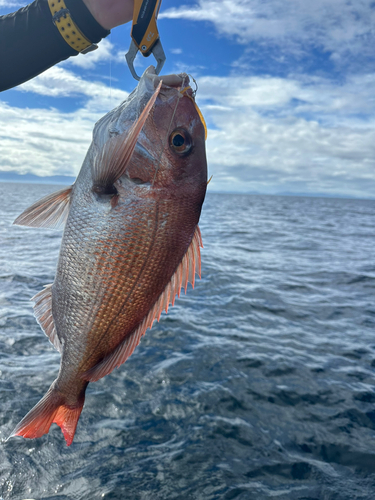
(112, 161)
(43, 314)
(51, 211)
(190, 264)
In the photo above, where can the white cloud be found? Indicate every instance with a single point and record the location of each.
(11, 4)
(49, 141)
(105, 53)
(60, 82)
(266, 134)
(88, 61)
(337, 26)
(274, 134)
(319, 98)
(43, 142)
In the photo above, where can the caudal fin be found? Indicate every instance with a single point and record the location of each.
(51, 408)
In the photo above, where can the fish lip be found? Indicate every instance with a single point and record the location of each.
(173, 81)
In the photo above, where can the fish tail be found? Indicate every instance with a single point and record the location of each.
(51, 408)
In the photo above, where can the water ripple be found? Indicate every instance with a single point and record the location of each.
(258, 384)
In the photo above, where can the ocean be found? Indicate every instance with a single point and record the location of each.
(258, 384)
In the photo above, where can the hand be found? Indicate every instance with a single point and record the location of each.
(111, 13)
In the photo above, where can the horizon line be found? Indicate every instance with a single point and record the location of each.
(59, 180)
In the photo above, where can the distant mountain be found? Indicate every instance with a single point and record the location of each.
(36, 179)
(67, 181)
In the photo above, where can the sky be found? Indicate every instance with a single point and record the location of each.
(287, 88)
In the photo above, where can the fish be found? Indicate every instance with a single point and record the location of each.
(131, 241)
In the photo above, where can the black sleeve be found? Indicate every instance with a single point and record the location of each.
(30, 43)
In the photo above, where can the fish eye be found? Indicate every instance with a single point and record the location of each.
(180, 141)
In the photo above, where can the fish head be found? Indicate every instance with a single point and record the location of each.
(169, 151)
(175, 136)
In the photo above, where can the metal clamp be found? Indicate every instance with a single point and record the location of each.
(158, 52)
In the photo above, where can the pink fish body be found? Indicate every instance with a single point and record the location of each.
(131, 241)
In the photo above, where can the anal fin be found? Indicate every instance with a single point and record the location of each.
(51, 211)
(185, 272)
(43, 314)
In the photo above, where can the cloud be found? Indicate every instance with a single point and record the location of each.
(43, 142)
(306, 135)
(267, 134)
(60, 82)
(104, 53)
(49, 141)
(316, 98)
(13, 4)
(336, 26)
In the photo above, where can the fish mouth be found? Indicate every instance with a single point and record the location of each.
(170, 91)
(151, 80)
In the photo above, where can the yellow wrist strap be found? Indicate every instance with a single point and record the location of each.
(68, 29)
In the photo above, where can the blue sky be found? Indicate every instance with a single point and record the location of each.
(287, 88)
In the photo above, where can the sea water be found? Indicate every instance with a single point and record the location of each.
(258, 384)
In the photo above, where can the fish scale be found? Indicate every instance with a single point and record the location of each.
(122, 284)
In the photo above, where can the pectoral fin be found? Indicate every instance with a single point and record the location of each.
(51, 211)
(113, 160)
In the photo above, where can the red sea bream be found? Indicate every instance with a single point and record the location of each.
(131, 240)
